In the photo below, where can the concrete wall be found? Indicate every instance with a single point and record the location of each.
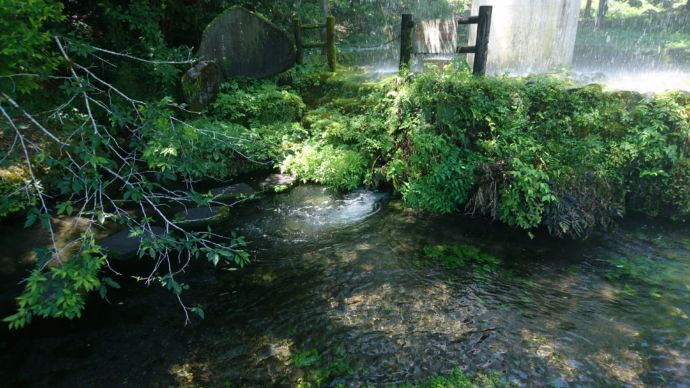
(529, 36)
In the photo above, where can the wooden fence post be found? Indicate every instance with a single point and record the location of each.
(330, 43)
(482, 45)
(406, 42)
(297, 29)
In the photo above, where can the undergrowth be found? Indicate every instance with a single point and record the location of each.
(532, 152)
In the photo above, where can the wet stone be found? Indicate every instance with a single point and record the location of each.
(202, 216)
(246, 45)
(120, 246)
(233, 191)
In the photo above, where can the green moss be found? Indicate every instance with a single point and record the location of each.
(190, 87)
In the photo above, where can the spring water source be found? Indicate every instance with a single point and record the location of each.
(339, 287)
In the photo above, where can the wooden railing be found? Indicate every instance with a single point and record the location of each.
(480, 49)
(329, 44)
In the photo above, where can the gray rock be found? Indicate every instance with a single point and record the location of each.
(120, 246)
(246, 45)
(200, 85)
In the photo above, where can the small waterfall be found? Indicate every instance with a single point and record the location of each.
(529, 36)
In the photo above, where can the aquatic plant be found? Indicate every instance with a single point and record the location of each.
(306, 358)
(459, 379)
(462, 256)
(647, 273)
(320, 371)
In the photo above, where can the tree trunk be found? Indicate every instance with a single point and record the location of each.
(588, 10)
(601, 13)
(325, 7)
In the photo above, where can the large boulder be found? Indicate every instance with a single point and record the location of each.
(200, 85)
(246, 45)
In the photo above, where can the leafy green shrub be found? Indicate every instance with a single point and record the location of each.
(340, 167)
(258, 104)
(431, 173)
(537, 152)
(61, 291)
(204, 149)
(529, 152)
(26, 43)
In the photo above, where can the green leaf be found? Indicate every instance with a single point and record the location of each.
(65, 208)
(103, 292)
(110, 282)
(214, 258)
(31, 218)
(198, 311)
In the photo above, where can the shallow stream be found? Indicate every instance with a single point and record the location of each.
(340, 286)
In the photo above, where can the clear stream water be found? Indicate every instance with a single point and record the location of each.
(344, 275)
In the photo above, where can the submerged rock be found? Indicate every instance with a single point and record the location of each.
(245, 44)
(232, 191)
(278, 181)
(202, 217)
(201, 84)
(120, 246)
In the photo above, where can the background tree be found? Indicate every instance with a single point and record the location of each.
(588, 9)
(601, 12)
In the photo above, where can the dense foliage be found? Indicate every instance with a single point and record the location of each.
(540, 153)
(528, 152)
